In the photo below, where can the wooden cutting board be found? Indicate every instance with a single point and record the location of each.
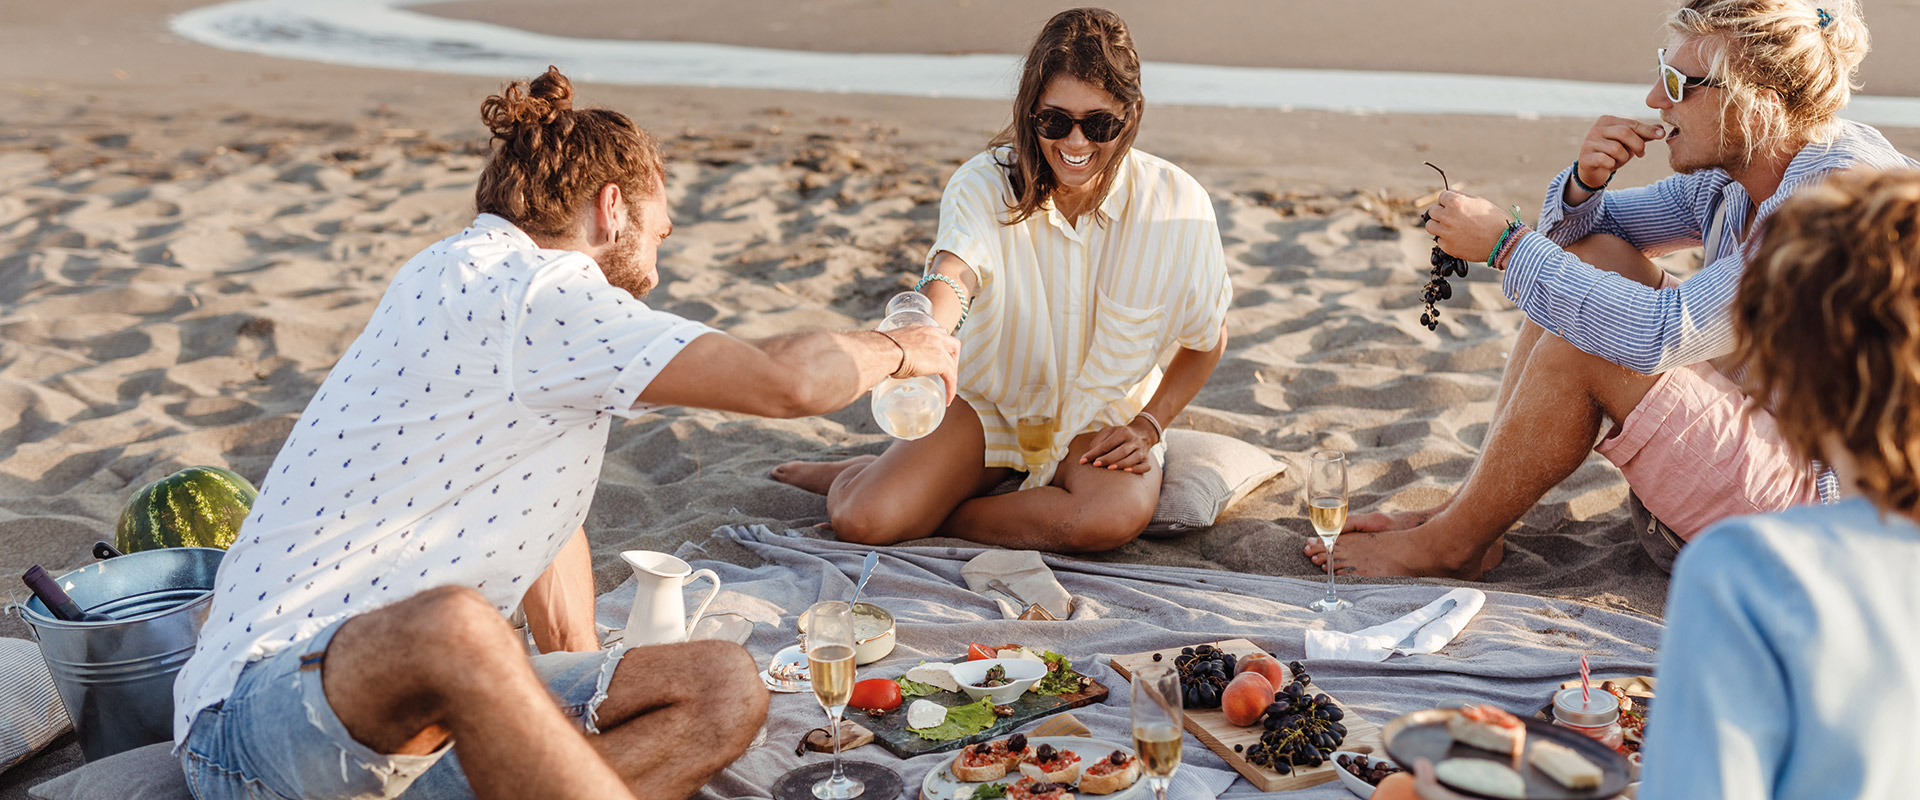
(1210, 726)
(890, 730)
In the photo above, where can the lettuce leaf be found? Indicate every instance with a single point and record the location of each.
(1060, 678)
(961, 721)
(915, 688)
(990, 791)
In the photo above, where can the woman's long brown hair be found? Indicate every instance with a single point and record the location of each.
(1093, 45)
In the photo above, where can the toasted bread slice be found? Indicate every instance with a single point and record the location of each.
(1030, 789)
(1106, 776)
(1048, 764)
(986, 761)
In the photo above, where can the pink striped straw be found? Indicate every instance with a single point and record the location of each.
(1586, 691)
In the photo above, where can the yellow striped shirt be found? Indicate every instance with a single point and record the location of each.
(1086, 309)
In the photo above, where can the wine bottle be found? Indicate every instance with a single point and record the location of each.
(61, 605)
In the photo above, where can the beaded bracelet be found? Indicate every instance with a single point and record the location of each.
(1495, 252)
(1512, 245)
(1159, 433)
(966, 303)
(1583, 184)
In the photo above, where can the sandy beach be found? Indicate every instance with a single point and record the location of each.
(190, 237)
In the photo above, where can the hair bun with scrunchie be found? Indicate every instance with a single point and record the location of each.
(542, 101)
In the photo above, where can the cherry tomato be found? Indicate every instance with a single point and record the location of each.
(876, 693)
(977, 651)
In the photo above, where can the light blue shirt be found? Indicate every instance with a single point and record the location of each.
(1790, 667)
(1631, 324)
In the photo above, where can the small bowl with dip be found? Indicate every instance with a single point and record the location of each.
(873, 633)
(1020, 675)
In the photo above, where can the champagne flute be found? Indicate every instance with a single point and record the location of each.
(1327, 509)
(1156, 725)
(829, 627)
(1035, 426)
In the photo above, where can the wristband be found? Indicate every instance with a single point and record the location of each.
(903, 354)
(966, 303)
(1512, 245)
(1495, 252)
(1159, 433)
(1583, 184)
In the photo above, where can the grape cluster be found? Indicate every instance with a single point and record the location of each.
(1302, 729)
(1373, 773)
(1204, 672)
(1444, 266)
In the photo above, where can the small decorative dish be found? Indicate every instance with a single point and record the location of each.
(1020, 675)
(1354, 783)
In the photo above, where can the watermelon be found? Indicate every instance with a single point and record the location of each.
(195, 507)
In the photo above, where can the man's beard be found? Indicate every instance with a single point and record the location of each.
(624, 270)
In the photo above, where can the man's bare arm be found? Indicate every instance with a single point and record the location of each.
(559, 604)
(798, 375)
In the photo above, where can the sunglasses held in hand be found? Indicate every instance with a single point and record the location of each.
(1099, 127)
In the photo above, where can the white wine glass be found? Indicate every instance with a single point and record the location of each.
(1034, 426)
(1157, 718)
(829, 627)
(1327, 510)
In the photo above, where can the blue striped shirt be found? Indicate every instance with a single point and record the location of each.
(1633, 325)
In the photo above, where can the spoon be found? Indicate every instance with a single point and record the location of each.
(866, 571)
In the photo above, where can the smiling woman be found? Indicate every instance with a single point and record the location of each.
(1078, 262)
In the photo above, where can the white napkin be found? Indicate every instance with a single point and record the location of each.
(1380, 641)
(1195, 782)
(1024, 573)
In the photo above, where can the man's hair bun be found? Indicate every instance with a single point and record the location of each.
(542, 101)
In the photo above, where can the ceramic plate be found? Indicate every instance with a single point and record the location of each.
(787, 672)
(1423, 734)
(941, 785)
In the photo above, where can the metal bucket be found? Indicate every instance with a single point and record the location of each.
(116, 677)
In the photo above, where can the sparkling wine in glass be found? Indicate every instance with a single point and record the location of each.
(1327, 510)
(1156, 725)
(1035, 425)
(829, 627)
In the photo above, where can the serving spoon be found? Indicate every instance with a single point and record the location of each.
(866, 571)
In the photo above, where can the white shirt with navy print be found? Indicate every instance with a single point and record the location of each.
(458, 442)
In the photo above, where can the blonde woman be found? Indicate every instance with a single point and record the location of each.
(1076, 261)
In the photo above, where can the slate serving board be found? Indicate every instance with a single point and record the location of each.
(890, 730)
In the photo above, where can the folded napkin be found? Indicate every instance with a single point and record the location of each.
(1024, 573)
(1435, 622)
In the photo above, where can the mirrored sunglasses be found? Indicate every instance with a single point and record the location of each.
(1099, 127)
(1676, 82)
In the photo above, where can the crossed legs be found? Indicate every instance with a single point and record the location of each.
(933, 485)
(1547, 414)
(443, 664)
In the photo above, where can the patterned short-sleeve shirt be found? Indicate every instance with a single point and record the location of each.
(458, 442)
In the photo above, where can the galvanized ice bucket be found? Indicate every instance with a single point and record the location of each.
(116, 677)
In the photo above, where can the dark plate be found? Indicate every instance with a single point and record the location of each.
(1423, 734)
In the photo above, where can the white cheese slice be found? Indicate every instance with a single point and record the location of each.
(935, 674)
(1022, 652)
(924, 714)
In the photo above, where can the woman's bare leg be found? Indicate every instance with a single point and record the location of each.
(1084, 509)
(906, 491)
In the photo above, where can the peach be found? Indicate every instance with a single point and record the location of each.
(1267, 666)
(1246, 698)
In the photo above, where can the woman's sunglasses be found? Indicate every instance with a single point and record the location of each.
(1672, 80)
(1099, 127)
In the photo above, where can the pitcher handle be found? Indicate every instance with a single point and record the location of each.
(702, 610)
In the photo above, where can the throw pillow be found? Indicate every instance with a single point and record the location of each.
(143, 773)
(31, 715)
(1206, 474)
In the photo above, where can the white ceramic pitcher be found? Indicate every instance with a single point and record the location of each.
(659, 614)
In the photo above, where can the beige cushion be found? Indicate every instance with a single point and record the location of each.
(143, 773)
(30, 712)
(1206, 474)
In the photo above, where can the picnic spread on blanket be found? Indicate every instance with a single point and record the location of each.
(971, 674)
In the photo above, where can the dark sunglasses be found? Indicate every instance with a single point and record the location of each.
(1099, 127)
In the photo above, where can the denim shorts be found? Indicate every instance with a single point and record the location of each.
(275, 736)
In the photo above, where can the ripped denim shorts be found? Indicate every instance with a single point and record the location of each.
(276, 737)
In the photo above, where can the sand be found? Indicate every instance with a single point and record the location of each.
(189, 238)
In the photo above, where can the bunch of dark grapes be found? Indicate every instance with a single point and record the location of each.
(1204, 673)
(1444, 267)
(1302, 729)
(1372, 773)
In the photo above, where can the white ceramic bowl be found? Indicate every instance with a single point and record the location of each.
(1022, 674)
(873, 631)
(1353, 784)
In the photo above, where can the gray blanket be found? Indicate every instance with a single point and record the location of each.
(1513, 654)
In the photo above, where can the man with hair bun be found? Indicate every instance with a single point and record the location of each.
(1750, 92)
(439, 479)
(1788, 670)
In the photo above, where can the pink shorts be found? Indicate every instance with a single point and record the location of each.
(1694, 457)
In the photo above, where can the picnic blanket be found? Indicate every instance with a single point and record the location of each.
(1513, 654)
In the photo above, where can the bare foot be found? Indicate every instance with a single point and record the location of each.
(816, 476)
(1421, 551)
